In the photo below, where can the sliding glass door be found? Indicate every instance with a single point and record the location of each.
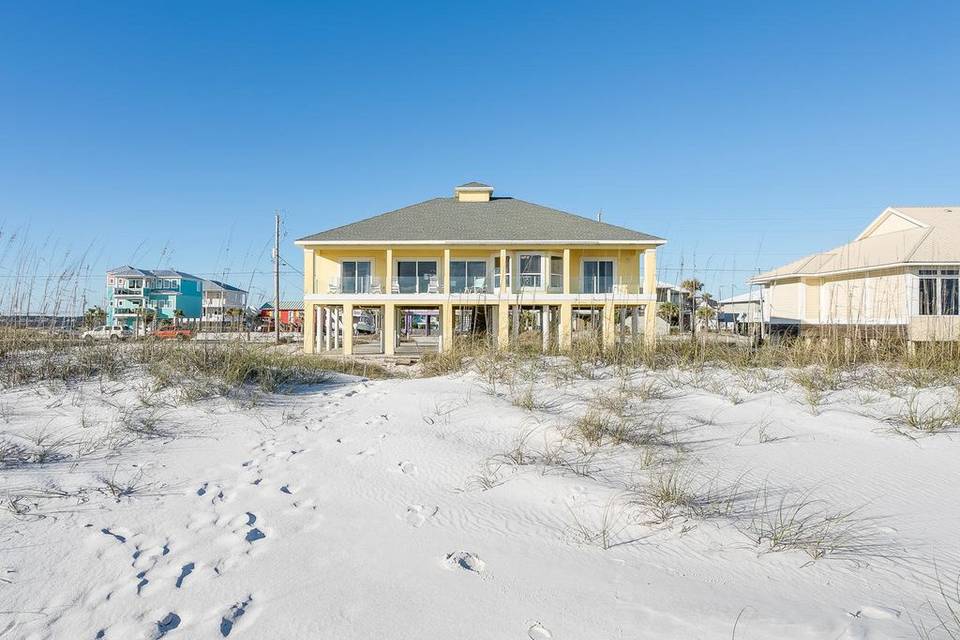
(414, 275)
(356, 276)
(598, 276)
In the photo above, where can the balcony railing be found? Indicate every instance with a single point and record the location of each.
(606, 286)
(126, 291)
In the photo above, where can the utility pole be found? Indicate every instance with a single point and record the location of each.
(276, 279)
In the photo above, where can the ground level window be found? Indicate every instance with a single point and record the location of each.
(948, 292)
(939, 292)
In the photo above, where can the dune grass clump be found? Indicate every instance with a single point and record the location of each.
(236, 364)
(916, 419)
(797, 521)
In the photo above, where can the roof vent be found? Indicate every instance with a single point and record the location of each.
(473, 192)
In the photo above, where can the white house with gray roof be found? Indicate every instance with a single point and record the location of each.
(900, 276)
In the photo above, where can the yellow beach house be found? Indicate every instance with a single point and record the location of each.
(408, 281)
(899, 278)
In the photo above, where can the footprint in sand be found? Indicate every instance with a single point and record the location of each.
(539, 632)
(185, 571)
(466, 561)
(170, 622)
(228, 621)
(408, 468)
(416, 514)
(877, 613)
(254, 534)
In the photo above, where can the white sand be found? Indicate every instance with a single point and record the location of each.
(373, 510)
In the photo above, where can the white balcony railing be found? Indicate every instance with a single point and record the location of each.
(459, 285)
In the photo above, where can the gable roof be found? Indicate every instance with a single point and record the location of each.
(501, 220)
(285, 305)
(898, 236)
(750, 296)
(223, 286)
(128, 271)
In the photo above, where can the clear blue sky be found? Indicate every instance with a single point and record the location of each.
(747, 134)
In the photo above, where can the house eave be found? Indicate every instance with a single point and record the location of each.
(303, 242)
(839, 272)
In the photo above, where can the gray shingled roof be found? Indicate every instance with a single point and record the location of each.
(474, 185)
(216, 284)
(127, 271)
(500, 219)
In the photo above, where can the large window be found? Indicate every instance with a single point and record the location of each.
(355, 276)
(556, 272)
(414, 276)
(939, 292)
(531, 270)
(598, 276)
(468, 276)
(496, 272)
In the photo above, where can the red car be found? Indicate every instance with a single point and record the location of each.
(173, 334)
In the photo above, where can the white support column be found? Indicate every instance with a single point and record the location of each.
(545, 326)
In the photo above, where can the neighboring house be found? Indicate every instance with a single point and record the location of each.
(223, 304)
(898, 277)
(493, 267)
(667, 292)
(291, 315)
(740, 313)
(133, 294)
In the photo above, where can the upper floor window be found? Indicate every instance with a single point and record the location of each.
(496, 272)
(939, 292)
(355, 276)
(598, 276)
(468, 276)
(556, 272)
(531, 270)
(416, 276)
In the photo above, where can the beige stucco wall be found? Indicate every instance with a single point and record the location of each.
(928, 328)
(782, 302)
(868, 299)
(876, 298)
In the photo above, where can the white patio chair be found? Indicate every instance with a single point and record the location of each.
(333, 286)
(433, 285)
(375, 286)
(395, 286)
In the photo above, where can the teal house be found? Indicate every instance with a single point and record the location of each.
(134, 295)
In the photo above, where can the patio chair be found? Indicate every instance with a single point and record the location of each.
(375, 286)
(433, 285)
(333, 286)
(395, 286)
(479, 285)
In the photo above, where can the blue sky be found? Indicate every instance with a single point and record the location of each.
(747, 134)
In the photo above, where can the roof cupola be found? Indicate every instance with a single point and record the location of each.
(473, 192)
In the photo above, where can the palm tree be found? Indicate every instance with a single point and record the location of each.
(692, 286)
(706, 314)
(668, 311)
(177, 316)
(94, 317)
